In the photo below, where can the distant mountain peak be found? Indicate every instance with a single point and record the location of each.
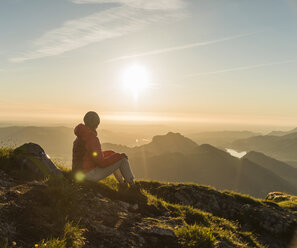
(170, 142)
(282, 133)
(173, 137)
(169, 134)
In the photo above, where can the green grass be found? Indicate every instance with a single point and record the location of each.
(110, 182)
(192, 236)
(218, 228)
(292, 205)
(71, 238)
(243, 198)
(155, 186)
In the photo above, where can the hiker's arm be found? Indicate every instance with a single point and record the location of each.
(93, 146)
(107, 153)
(111, 159)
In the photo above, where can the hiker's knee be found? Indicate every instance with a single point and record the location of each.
(125, 161)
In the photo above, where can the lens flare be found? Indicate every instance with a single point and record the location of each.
(79, 176)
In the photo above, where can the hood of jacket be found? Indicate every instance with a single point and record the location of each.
(82, 131)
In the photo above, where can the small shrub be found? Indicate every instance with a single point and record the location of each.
(192, 236)
(194, 216)
(72, 238)
(5, 152)
(73, 235)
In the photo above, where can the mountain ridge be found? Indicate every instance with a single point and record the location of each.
(282, 133)
(203, 164)
(221, 139)
(280, 147)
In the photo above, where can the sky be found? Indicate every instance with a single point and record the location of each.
(218, 62)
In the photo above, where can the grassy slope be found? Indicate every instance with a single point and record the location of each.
(62, 198)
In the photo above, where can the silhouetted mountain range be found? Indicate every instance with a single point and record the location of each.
(222, 139)
(280, 147)
(282, 133)
(204, 164)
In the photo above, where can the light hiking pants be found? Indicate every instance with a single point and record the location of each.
(120, 169)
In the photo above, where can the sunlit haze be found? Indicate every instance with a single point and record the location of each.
(135, 79)
(204, 65)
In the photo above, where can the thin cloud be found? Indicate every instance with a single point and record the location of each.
(243, 68)
(141, 4)
(108, 24)
(178, 48)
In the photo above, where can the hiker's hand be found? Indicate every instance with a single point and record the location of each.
(124, 155)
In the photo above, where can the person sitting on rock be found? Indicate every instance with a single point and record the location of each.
(94, 163)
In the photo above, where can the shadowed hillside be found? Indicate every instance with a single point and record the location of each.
(280, 168)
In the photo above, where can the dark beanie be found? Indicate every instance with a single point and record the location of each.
(91, 119)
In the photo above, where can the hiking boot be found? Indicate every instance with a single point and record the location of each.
(134, 187)
(123, 187)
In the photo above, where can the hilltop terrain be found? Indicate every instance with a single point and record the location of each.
(58, 212)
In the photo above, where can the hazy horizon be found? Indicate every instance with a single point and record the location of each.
(156, 128)
(194, 65)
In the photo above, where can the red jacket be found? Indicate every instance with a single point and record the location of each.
(92, 155)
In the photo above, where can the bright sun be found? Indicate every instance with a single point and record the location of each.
(135, 78)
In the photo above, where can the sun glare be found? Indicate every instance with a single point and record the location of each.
(135, 79)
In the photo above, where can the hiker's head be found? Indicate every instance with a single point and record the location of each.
(92, 120)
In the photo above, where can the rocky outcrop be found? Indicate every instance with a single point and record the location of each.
(24, 218)
(272, 221)
(280, 197)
